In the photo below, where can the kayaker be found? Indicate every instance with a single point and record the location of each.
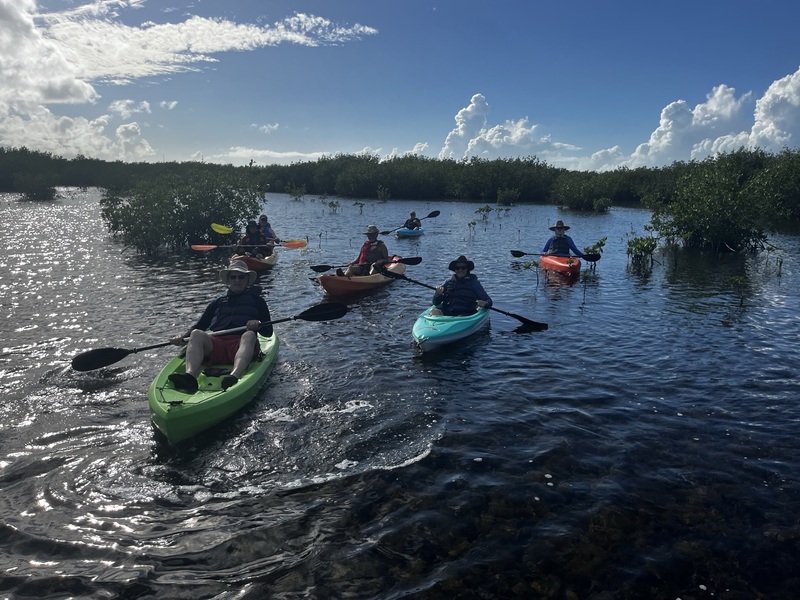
(373, 254)
(560, 243)
(267, 230)
(241, 306)
(412, 222)
(254, 243)
(462, 294)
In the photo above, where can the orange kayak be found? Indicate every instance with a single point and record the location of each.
(569, 266)
(338, 285)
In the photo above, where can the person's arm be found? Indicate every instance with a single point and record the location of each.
(438, 296)
(202, 324)
(574, 248)
(481, 293)
(263, 316)
(384, 252)
(547, 245)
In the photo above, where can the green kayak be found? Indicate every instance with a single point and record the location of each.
(180, 415)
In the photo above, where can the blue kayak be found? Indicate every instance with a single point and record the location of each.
(432, 331)
(404, 232)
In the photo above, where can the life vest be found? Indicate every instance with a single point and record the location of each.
(257, 239)
(559, 246)
(235, 310)
(370, 252)
(459, 296)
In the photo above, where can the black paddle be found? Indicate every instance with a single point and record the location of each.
(413, 260)
(102, 357)
(527, 324)
(592, 257)
(432, 215)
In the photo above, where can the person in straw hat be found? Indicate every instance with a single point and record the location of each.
(241, 306)
(560, 244)
(373, 254)
(462, 294)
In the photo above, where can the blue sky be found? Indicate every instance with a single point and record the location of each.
(580, 84)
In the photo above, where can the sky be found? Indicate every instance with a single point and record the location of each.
(579, 84)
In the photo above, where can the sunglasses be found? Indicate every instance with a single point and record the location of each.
(462, 268)
(232, 276)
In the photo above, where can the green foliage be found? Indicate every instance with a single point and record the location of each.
(640, 250)
(733, 186)
(383, 193)
(714, 208)
(36, 186)
(508, 196)
(484, 212)
(173, 211)
(596, 248)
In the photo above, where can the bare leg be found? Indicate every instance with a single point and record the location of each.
(435, 312)
(197, 349)
(247, 347)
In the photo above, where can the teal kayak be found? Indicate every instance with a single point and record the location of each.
(432, 331)
(405, 232)
(180, 415)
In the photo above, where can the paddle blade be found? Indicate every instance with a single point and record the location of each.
(528, 325)
(321, 268)
(323, 312)
(98, 358)
(203, 247)
(221, 228)
(593, 257)
(412, 260)
(433, 215)
(518, 253)
(294, 244)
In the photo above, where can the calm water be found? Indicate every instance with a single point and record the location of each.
(645, 446)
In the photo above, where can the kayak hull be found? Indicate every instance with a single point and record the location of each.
(180, 415)
(259, 265)
(337, 285)
(434, 331)
(404, 232)
(569, 266)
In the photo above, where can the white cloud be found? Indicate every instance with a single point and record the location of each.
(268, 128)
(58, 57)
(470, 121)
(127, 108)
(722, 123)
(240, 155)
(168, 104)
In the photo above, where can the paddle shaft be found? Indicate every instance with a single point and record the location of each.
(102, 357)
(412, 260)
(591, 257)
(525, 321)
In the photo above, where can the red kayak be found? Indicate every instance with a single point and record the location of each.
(259, 265)
(569, 266)
(339, 285)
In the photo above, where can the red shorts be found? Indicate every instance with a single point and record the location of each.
(225, 347)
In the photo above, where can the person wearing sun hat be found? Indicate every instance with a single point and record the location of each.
(462, 294)
(373, 253)
(241, 306)
(560, 244)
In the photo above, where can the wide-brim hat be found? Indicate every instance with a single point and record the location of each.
(251, 224)
(559, 224)
(372, 229)
(238, 266)
(461, 260)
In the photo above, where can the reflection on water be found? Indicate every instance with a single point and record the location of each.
(644, 446)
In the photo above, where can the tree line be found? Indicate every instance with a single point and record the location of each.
(726, 202)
